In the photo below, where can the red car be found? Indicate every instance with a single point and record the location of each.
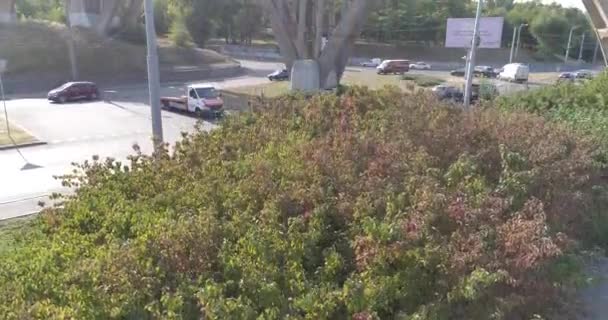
(73, 91)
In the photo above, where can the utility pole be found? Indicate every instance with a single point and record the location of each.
(474, 43)
(569, 44)
(153, 74)
(597, 49)
(513, 45)
(519, 38)
(8, 127)
(580, 53)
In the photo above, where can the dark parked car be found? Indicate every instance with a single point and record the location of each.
(73, 91)
(566, 77)
(478, 71)
(584, 74)
(485, 71)
(454, 94)
(458, 72)
(279, 75)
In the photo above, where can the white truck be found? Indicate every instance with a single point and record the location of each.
(515, 72)
(202, 99)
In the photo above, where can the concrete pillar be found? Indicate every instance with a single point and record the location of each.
(598, 12)
(85, 13)
(7, 11)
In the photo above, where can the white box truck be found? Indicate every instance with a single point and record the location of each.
(515, 72)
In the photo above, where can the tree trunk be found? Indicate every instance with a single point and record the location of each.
(107, 15)
(292, 41)
(133, 13)
(319, 27)
(301, 39)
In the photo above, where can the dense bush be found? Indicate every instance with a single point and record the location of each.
(423, 80)
(372, 205)
(583, 107)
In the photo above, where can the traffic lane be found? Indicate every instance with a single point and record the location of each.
(21, 190)
(140, 94)
(98, 120)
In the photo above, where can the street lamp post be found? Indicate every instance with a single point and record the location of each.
(153, 74)
(580, 53)
(569, 44)
(470, 67)
(521, 26)
(513, 44)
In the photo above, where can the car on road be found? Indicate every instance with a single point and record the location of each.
(484, 71)
(458, 72)
(566, 77)
(393, 67)
(73, 91)
(372, 63)
(201, 99)
(279, 75)
(454, 94)
(420, 65)
(583, 74)
(515, 72)
(447, 92)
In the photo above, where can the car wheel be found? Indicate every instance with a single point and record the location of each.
(198, 112)
(93, 97)
(62, 99)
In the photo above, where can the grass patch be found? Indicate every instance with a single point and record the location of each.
(237, 98)
(269, 90)
(423, 80)
(12, 230)
(19, 136)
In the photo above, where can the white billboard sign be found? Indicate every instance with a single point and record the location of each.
(459, 32)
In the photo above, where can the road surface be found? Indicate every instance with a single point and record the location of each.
(75, 132)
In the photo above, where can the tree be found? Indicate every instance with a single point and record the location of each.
(298, 34)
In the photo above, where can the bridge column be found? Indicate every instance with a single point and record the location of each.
(85, 13)
(598, 12)
(7, 11)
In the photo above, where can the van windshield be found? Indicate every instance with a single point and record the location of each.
(207, 93)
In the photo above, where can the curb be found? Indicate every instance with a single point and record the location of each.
(23, 145)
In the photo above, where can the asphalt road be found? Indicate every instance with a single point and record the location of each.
(75, 132)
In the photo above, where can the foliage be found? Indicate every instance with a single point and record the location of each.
(161, 16)
(423, 80)
(178, 32)
(52, 10)
(370, 205)
(581, 106)
(425, 21)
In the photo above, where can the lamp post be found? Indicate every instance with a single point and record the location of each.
(569, 44)
(513, 45)
(521, 26)
(474, 43)
(153, 75)
(580, 53)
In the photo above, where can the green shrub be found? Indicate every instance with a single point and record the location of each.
(423, 80)
(178, 33)
(161, 16)
(582, 107)
(370, 205)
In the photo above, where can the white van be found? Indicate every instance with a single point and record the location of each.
(515, 72)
